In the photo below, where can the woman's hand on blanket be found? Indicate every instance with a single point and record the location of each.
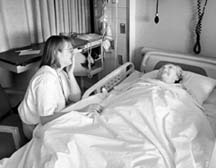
(95, 108)
(92, 108)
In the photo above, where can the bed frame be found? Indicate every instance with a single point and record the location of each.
(111, 80)
(153, 60)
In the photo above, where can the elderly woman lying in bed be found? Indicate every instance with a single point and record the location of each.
(168, 73)
(146, 123)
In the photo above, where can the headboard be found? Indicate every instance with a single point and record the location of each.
(200, 64)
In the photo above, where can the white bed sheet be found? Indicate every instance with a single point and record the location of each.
(143, 125)
(209, 105)
(210, 111)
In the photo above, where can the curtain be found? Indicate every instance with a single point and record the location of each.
(23, 22)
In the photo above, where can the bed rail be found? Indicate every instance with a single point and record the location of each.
(111, 80)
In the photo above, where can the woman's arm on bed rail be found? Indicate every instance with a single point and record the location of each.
(111, 80)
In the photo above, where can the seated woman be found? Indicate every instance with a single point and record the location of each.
(53, 86)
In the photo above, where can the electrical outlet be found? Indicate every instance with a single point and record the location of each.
(120, 59)
(112, 44)
(122, 28)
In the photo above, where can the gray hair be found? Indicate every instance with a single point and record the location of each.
(179, 72)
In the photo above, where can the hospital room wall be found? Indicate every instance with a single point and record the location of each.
(175, 30)
(117, 16)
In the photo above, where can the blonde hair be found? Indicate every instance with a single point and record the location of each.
(53, 44)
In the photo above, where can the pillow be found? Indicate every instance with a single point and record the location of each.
(198, 85)
(151, 74)
(212, 98)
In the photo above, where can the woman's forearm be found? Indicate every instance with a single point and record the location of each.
(89, 108)
(46, 119)
(74, 89)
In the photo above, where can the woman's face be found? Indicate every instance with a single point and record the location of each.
(65, 56)
(169, 73)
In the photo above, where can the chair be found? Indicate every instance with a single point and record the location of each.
(11, 132)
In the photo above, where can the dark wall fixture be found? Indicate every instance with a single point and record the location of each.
(198, 28)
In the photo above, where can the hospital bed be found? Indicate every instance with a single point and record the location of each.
(136, 129)
(153, 60)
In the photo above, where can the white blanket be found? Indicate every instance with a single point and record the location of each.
(146, 124)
